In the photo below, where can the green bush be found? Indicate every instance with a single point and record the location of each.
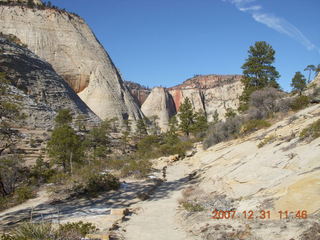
(254, 125)
(34, 231)
(154, 146)
(222, 131)
(267, 140)
(7, 237)
(138, 168)
(311, 132)
(299, 103)
(77, 228)
(95, 183)
(192, 207)
(46, 231)
(24, 193)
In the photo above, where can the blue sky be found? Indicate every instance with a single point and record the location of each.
(164, 42)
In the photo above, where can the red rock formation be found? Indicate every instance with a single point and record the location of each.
(201, 82)
(139, 92)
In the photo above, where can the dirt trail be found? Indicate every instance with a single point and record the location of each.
(156, 218)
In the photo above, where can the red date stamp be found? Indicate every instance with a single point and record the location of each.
(262, 214)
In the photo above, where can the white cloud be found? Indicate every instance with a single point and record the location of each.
(252, 8)
(278, 24)
(282, 26)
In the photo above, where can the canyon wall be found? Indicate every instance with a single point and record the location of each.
(68, 44)
(207, 93)
(39, 90)
(159, 104)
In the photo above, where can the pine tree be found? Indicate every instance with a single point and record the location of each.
(64, 117)
(230, 113)
(30, 4)
(310, 68)
(141, 130)
(97, 140)
(65, 146)
(200, 122)
(215, 117)
(173, 125)
(258, 71)
(299, 82)
(186, 116)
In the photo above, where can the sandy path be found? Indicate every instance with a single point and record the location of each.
(42, 197)
(157, 217)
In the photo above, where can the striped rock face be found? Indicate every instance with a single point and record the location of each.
(68, 44)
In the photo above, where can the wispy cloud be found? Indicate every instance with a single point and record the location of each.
(252, 8)
(276, 23)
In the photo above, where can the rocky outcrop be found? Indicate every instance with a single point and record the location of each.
(160, 104)
(42, 92)
(36, 2)
(68, 44)
(209, 93)
(139, 92)
(271, 170)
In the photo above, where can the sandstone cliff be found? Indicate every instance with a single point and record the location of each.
(36, 2)
(139, 92)
(209, 93)
(68, 44)
(41, 91)
(160, 104)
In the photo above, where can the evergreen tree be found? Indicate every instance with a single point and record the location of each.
(97, 140)
(317, 69)
(173, 125)
(186, 117)
(141, 129)
(298, 82)
(154, 128)
(65, 146)
(30, 4)
(215, 117)
(258, 71)
(200, 122)
(64, 117)
(230, 113)
(310, 68)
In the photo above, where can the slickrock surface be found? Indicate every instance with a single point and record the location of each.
(41, 90)
(159, 103)
(68, 44)
(283, 175)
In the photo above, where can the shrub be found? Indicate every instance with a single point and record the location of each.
(179, 148)
(34, 231)
(230, 113)
(222, 131)
(264, 102)
(24, 193)
(138, 168)
(46, 231)
(78, 229)
(192, 207)
(267, 140)
(254, 125)
(300, 102)
(311, 132)
(95, 183)
(155, 146)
